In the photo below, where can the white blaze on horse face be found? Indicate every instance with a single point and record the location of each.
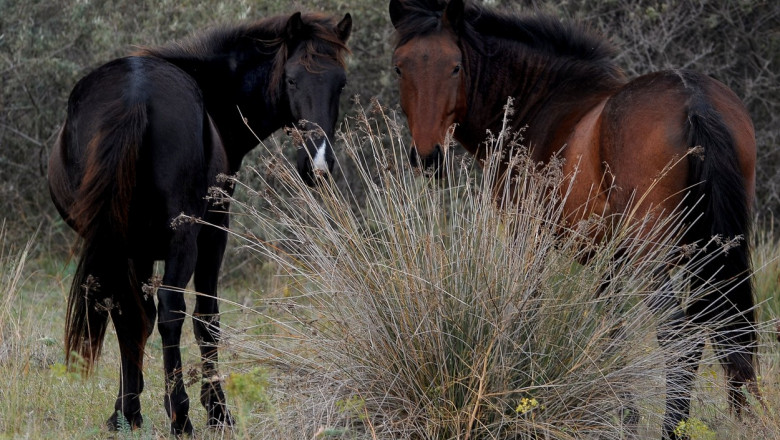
(319, 159)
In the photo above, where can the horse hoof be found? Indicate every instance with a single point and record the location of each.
(220, 417)
(224, 420)
(179, 430)
(114, 423)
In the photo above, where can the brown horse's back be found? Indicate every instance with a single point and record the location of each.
(632, 147)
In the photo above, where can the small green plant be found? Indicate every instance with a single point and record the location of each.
(250, 388)
(353, 406)
(694, 429)
(62, 371)
(123, 426)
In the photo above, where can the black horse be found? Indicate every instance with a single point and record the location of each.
(144, 139)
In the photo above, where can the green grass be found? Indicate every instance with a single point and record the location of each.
(40, 398)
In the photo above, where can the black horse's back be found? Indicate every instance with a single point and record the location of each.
(143, 120)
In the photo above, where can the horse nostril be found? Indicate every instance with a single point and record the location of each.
(434, 159)
(414, 157)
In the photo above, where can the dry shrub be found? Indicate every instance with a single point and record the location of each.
(428, 312)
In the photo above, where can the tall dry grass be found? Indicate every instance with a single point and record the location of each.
(11, 277)
(430, 312)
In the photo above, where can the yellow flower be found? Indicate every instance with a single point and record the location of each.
(694, 429)
(526, 405)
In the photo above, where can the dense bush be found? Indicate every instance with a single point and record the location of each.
(46, 46)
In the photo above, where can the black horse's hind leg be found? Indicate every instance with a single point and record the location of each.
(133, 316)
(178, 269)
(211, 247)
(674, 337)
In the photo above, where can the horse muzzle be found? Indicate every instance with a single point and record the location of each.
(433, 161)
(315, 159)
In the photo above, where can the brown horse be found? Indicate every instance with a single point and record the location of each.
(144, 139)
(459, 64)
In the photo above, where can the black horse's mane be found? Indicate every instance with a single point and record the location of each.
(266, 38)
(484, 25)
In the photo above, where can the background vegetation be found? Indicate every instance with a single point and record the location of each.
(45, 47)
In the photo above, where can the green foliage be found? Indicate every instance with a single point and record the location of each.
(353, 406)
(62, 371)
(123, 426)
(250, 388)
(694, 429)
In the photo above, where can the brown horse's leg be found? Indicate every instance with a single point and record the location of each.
(172, 308)
(735, 349)
(211, 247)
(133, 316)
(684, 354)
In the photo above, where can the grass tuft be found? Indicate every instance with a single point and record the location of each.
(417, 307)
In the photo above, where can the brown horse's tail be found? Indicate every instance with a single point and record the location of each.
(725, 217)
(100, 213)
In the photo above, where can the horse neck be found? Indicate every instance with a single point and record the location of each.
(229, 106)
(546, 91)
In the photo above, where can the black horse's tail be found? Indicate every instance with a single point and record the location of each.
(100, 214)
(725, 208)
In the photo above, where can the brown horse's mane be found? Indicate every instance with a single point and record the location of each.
(267, 39)
(485, 28)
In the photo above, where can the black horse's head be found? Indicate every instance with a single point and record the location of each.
(313, 79)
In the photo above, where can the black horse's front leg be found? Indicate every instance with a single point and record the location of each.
(172, 310)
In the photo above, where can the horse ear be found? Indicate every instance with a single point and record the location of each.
(454, 14)
(294, 27)
(397, 12)
(344, 28)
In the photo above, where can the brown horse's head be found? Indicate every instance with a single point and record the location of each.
(432, 76)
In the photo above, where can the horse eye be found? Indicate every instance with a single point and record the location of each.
(397, 70)
(456, 70)
(290, 82)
